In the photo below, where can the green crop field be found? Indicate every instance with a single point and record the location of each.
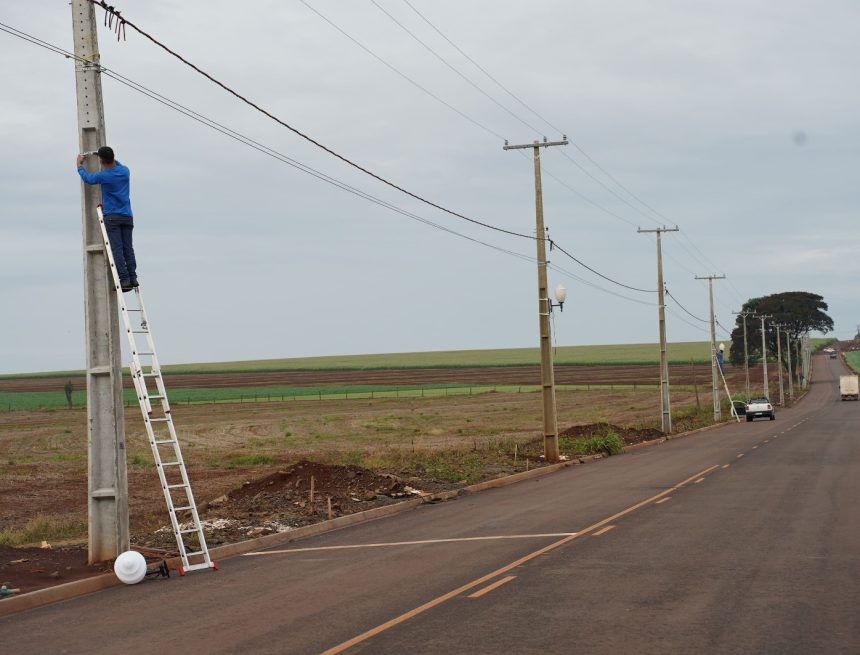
(853, 359)
(635, 353)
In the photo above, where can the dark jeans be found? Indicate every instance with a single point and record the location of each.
(119, 230)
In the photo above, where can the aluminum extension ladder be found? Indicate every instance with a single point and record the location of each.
(160, 430)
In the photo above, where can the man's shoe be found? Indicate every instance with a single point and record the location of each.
(125, 285)
(134, 283)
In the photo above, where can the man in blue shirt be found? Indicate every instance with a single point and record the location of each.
(114, 179)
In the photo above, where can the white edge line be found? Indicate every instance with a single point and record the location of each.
(408, 543)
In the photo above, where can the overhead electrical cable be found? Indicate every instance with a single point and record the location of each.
(124, 21)
(248, 141)
(687, 311)
(684, 320)
(554, 245)
(307, 169)
(452, 67)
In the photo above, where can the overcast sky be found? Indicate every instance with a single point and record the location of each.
(739, 121)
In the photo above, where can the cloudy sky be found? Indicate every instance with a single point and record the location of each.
(736, 120)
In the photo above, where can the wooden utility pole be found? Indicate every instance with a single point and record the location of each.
(715, 387)
(550, 416)
(779, 363)
(665, 409)
(744, 314)
(764, 355)
(107, 474)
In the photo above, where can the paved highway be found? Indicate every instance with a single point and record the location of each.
(737, 540)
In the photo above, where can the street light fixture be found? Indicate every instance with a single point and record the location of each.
(560, 296)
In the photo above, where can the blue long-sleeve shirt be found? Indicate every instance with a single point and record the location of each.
(116, 183)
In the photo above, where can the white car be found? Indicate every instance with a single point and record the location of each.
(759, 408)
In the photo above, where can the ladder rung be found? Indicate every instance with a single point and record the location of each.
(202, 565)
(157, 397)
(129, 309)
(177, 486)
(145, 353)
(165, 441)
(140, 331)
(199, 552)
(188, 531)
(171, 464)
(182, 509)
(151, 375)
(159, 420)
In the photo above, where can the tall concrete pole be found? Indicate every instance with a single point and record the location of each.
(779, 363)
(107, 475)
(790, 376)
(746, 354)
(550, 415)
(665, 409)
(764, 355)
(715, 383)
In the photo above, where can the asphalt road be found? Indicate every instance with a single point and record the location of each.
(738, 540)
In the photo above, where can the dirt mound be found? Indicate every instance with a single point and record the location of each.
(628, 435)
(281, 501)
(340, 483)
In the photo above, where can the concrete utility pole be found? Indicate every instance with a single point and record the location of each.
(107, 475)
(746, 352)
(665, 410)
(764, 355)
(790, 380)
(779, 363)
(550, 416)
(715, 388)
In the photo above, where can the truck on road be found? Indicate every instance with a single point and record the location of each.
(848, 387)
(759, 407)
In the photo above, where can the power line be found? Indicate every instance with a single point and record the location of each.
(687, 311)
(248, 141)
(300, 166)
(451, 66)
(576, 277)
(553, 244)
(684, 320)
(124, 21)
(482, 69)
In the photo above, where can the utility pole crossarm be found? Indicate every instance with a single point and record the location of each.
(537, 144)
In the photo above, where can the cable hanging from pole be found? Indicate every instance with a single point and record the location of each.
(687, 311)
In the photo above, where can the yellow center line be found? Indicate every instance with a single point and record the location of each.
(698, 481)
(603, 531)
(508, 567)
(663, 500)
(754, 447)
(741, 455)
(495, 585)
(725, 466)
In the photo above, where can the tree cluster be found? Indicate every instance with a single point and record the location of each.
(798, 312)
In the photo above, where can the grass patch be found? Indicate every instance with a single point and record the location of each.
(43, 528)
(248, 460)
(607, 444)
(853, 359)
